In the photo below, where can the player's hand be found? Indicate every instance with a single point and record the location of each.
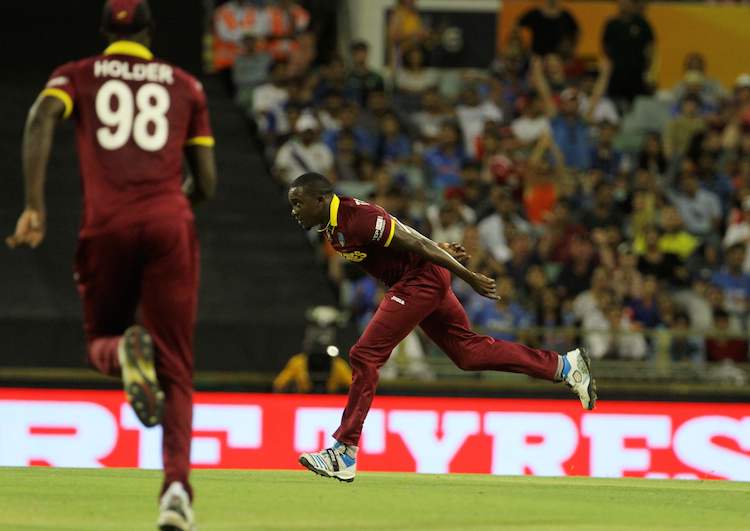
(485, 286)
(30, 230)
(456, 250)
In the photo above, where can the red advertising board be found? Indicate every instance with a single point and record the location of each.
(498, 436)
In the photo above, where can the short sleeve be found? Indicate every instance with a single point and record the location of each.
(61, 86)
(370, 225)
(199, 130)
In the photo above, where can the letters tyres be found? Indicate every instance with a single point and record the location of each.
(638, 439)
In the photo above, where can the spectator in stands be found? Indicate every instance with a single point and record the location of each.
(366, 146)
(361, 79)
(414, 79)
(680, 130)
(652, 157)
(347, 162)
(285, 20)
(721, 346)
(628, 41)
(627, 281)
(523, 255)
(304, 153)
(473, 114)
(448, 221)
(332, 79)
(492, 229)
(406, 31)
(479, 259)
(596, 297)
(370, 117)
(553, 29)
(330, 111)
(604, 155)
(694, 81)
(594, 83)
(604, 212)
(474, 188)
(269, 100)
(675, 239)
(643, 307)
(503, 319)
(577, 271)
(250, 69)
(653, 261)
(431, 116)
(738, 233)
(394, 145)
(699, 208)
(533, 122)
(232, 21)
(444, 161)
(551, 315)
(684, 345)
(735, 284)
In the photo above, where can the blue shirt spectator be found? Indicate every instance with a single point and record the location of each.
(572, 136)
(443, 163)
(500, 319)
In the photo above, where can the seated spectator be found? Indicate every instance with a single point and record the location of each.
(394, 145)
(609, 333)
(684, 345)
(414, 78)
(474, 188)
(578, 269)
(675, 239)
(492, 229)
(550, 317)
(448, 222)
(370, 117)
(361, 79)
(366, 145)
(522, 257)
(627, 281)
(653, 261)
(303, 153)
(533, 122)
(347, 160)
(680, 130)
(431, 117)
(652, 157)
(332, 78)
(473, 114)
(479, 260)
(540, 181)
(596, 297)
(604, 156)
(738, 233)
(558, 231)
(444, 161)
(700, 209)
(330, 111)
(269, 100)
(604, 212)
(695, 82)
(644, 308)
(250, 69)
(734, 283)
(503, 319)
(232, 20)
(721, 346)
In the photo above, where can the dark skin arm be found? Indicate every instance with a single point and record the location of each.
(38, 135)
(201, 185)
(445, 255)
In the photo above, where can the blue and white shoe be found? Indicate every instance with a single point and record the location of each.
(577, 376)
(338, 462)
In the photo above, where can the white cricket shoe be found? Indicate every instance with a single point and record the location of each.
(338, 462)
(175, 511)
(579, 377)
(135, 352)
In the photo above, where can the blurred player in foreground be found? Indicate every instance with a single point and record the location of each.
(134, 116)
(418, 273)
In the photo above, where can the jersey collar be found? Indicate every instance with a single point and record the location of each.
(335, 201)
(129, 48)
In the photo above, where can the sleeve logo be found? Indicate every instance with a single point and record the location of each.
(379, 229)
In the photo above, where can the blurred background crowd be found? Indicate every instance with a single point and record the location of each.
(611, 211)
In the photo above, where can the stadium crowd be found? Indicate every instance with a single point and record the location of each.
(607, 210)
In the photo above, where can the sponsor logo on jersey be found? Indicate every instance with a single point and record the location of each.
(398, 300)
(379, 228)
(354, 256)
(359, 202)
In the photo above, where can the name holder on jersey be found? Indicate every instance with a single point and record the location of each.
(379, 228)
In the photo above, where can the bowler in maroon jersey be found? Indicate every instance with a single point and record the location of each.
(136, 117)
(417, 272)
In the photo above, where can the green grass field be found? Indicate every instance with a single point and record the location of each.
(79, 500)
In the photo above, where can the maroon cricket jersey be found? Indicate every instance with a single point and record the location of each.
(361, 233)
(134, 114)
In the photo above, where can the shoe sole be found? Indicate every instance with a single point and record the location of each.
(305, 463)
(591, 389)
(139, 376)
(172, 521)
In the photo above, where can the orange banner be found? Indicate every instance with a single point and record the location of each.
(719, 32)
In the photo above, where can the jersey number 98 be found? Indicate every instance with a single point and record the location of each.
(121, 122)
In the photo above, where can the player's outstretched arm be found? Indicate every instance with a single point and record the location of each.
(407, 239)
(203, 173)
(37, 144)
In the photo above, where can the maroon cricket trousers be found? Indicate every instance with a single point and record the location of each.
(424, 298)
(154, 266)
